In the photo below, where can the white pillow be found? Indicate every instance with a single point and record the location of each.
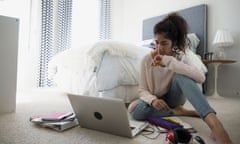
(195, 60)
(194, 41)
(116, 48)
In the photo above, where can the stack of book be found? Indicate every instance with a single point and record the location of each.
(59, 121)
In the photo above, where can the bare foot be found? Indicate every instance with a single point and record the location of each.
(219, 134)
(131, 106)
(222, 138)
(181, 111)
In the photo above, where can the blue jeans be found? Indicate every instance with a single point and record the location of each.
(182, 88)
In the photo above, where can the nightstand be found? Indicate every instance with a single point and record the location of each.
(216, 64)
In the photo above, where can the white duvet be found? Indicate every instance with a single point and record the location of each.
(106, 68)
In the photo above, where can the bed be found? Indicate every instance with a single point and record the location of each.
(111, 68)
(104, 69)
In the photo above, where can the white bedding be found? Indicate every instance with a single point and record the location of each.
(106, 68)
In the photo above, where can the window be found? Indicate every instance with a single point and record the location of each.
(70, 24)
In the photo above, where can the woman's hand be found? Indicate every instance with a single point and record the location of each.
(160, 105)
(156, 59)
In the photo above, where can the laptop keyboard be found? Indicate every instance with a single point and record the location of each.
(134, 123)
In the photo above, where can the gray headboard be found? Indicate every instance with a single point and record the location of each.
(196, 18)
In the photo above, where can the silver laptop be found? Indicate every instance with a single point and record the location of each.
(106, 115)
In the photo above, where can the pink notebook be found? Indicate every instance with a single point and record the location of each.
(55, 116)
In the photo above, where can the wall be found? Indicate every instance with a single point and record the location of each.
(127, 26)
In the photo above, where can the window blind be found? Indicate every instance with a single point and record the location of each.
(64, 23)
(56, 31)
(105, 19)
(55, 34)
(46, 46)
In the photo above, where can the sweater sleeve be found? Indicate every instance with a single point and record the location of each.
(144, 91)
(180, 67)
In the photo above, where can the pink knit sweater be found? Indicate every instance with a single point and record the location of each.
(155, 81)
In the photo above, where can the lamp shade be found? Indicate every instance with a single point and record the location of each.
(223, 39)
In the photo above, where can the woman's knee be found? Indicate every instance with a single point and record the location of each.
(182, 80)
(137, 110)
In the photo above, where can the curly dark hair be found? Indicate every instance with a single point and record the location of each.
(175, 28)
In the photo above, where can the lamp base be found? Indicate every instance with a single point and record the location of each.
(220, 54)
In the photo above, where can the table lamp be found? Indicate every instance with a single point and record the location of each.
(222, 40)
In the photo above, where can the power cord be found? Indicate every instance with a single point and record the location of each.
(152, 132)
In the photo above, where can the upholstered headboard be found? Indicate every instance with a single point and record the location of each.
(196, 18)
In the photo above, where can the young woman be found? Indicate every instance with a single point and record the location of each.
(168, 79)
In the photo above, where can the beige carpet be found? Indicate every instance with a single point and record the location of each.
(15, 128)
